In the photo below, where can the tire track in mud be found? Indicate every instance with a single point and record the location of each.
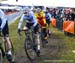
(51, 52)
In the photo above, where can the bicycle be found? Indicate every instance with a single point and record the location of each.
(42, 37)
(3, 52)
(29, 44)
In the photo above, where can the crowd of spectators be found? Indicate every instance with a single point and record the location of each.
(67, 14)
(9, 11)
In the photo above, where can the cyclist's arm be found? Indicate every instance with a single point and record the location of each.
(3, 18)
(21, 21)
(44, 19)
(50, 16)
(35, 20)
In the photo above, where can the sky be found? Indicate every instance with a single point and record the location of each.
(55, 3)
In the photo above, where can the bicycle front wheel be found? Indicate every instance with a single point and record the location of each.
(43, 40)
(30, 52)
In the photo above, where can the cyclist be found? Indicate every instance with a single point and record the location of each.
(5, 31)
(32, 23)
(40, 15)
(48, 19)
(34, 10)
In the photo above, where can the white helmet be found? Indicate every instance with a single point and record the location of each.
(34, 9)
(26, 9)
(39, 10)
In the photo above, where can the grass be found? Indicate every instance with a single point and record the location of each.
(64, 54)
(16, 39)
(69, 41)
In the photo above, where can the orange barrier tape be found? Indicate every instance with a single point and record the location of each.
(68, 26)
(53, 22)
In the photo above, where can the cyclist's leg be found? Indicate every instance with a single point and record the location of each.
(48, 28)
(5, 32)
(44, 31)
(36, 30)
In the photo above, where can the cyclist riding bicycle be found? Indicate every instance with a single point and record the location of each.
(40, 15)
(5, 31)
(48, 19)
(31, 23)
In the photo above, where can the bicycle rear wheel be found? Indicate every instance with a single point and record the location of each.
(30, 52)
(43, 40)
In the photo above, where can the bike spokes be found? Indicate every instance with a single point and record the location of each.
(29, 50)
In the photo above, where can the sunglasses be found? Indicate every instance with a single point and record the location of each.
(25, 12)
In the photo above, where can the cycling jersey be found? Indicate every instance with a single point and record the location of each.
(31, 19)
(41, 19)
(3, 19)
(4, 24)
(48, 17)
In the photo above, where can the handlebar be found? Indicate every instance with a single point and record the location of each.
(23, 31)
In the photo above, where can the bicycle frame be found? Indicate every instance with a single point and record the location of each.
(33, 37)
(27, 33)
(31, 42)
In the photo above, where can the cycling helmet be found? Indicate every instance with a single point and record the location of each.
(26, 10)
(34, 10)
(39, 10)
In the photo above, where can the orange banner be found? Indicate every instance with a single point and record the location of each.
(68, 26)
(53, 22)
(65, 24)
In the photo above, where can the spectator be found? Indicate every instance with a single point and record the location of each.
(73, 15)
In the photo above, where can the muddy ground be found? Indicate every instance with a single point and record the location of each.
(51, 52)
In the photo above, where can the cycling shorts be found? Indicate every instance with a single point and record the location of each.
(44, 32)
(48, 21)
(5, 30)
(36, 28)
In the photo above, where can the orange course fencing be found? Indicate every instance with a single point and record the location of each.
(68, 26)
(53, 22)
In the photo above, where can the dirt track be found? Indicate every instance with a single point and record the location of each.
(51, 52)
